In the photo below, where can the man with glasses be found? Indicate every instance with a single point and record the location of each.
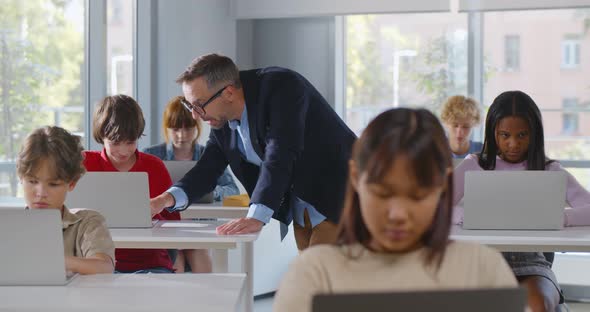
(282, 140)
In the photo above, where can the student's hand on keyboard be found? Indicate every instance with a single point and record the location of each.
(240, 226)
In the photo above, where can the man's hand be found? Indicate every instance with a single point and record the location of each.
(158, 203)
(240, 226)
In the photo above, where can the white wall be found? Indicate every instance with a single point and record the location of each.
(187, 29)
(245, 41)
(305, 45)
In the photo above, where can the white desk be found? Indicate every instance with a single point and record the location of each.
(195, 238)
(130, 292)
(569, 239)
(272, 257)
(213, 210)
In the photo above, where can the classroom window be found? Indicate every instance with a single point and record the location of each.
(570, 53)
(418, 60)
(570, 116)
(411, 60)
(116, 11)
(566, 136)
(120, 37)
(41, 75)
(512, 52)
(570, 123)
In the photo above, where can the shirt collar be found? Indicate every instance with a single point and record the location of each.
(234, 124)
(109, 166)
(68, 219)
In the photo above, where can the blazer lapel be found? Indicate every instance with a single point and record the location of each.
(250, 85)
(253, 126)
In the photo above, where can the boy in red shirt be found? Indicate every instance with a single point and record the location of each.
(117, 124)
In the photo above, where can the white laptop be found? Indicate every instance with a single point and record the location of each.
(123, 198)
(178, 169)
(514, 200)
(32, 248)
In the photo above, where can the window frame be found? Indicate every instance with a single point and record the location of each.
(570, 109)
(512, 52)
(570, 50)
(94, 75)
(475, 70)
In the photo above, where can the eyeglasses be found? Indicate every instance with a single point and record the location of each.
(200, 109)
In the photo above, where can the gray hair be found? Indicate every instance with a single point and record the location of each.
(216, 69)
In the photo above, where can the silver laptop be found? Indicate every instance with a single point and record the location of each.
(514, 200)
(32, 248)
(123, 198)
(480, 300)
(178, 169)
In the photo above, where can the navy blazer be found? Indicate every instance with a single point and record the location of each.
(303, 144)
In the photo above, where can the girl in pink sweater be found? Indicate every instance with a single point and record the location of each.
(514, 140)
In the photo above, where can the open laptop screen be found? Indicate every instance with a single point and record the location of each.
(480, 300)
(177, 169)
(32, 247)
(514, 200)
(121, 197)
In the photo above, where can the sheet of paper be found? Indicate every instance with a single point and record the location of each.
(202, 231)
(183, 225)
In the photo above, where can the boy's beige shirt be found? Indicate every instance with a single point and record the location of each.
(85, 234)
